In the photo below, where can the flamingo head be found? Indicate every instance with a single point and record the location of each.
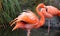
(41, 5)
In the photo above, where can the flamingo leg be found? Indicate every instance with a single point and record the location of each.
(49, 27)
(28, 32)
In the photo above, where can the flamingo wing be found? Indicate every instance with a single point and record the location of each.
(19, 25)
(28, 17)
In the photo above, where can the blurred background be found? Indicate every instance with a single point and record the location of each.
(10, 9)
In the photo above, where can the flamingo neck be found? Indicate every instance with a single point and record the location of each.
(42, 18)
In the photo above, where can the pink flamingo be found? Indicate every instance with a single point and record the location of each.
(28, 20)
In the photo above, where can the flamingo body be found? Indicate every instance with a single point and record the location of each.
(50, 11)
(30, 19)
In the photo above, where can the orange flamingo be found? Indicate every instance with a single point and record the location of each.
(49, 12)
(28, 20)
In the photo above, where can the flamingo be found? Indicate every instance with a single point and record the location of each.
(49, 12)
(28, 20)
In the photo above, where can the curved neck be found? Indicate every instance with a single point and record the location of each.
(42, 18)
